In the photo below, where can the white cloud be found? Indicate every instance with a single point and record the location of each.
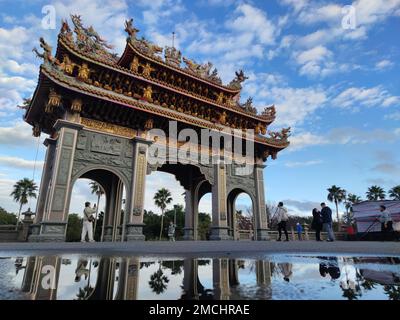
(355, 97)
(342, 136)
(293, 105)
(393, 116)
(20, 163)
(252, 20)
(19, 134)
(330, 13)
(383, 64)
(296, 164)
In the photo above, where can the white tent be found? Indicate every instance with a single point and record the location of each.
(366, 213)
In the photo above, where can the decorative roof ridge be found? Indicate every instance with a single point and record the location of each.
(55, 75)
(181, 70)
(267, 117)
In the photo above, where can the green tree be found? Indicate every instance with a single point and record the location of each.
(152, 223)
(98, 191)
(375, 193)
(7, 218)
(161, 199)
(22, 191)
(336, 195)
(350, 201)
(158, 281)
(74, 228)
(178, 212)
(394, 193)
(204, 223)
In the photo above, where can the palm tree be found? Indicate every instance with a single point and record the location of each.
(158, 281)
(23, 190)
(375, 193)
(161, 199)
(98, 190)
(336, 195)
(395, 192)
(350, 201)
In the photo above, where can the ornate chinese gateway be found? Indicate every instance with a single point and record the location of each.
(101, 112)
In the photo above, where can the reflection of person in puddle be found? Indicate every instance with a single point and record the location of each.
(81, 270)
(286, 269)
(329, 265)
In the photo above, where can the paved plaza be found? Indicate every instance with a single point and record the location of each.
(205, 248)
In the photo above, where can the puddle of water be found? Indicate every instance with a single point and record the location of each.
(280, 277)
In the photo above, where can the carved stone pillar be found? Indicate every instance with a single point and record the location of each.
(219, 229)
(128, 284)
(259, 207)
(45, 278)
(113, 210)
(135, 200)
(189, 228)
(263, 273)
(190, 279)
(54, 221)
(221, 279)
(44, 184)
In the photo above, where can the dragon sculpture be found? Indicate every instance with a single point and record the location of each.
(236, 83)
(88, 40)
(284, 134)
(46, 55)
(203, 70)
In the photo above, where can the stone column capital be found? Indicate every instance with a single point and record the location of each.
(67, 124)
(49, 141)
(142, 141)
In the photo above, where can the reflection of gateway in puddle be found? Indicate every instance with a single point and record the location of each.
(42, 279)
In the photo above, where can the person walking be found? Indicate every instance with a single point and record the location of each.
(282, 218)
(326, 214)
(88, 218)
(386, 222)
(171, 231)
(286, 269)
(316, 224)
(299, 229)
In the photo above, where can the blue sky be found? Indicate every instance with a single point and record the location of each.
(337, 88)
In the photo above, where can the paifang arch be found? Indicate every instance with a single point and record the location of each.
(105, 112)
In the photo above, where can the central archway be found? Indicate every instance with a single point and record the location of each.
(246, 214)
(115, 187)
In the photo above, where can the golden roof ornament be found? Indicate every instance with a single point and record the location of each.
(36, 130)
(54, 101)
(76, 105)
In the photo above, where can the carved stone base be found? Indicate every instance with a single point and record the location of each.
(219, 233)
(34, 229)
(49, 232)
(262, 235)
(134, 232)
(188, 234)
(107, 237)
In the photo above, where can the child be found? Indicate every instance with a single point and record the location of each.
(299, 230)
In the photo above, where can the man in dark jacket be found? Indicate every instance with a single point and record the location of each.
(326, 214)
